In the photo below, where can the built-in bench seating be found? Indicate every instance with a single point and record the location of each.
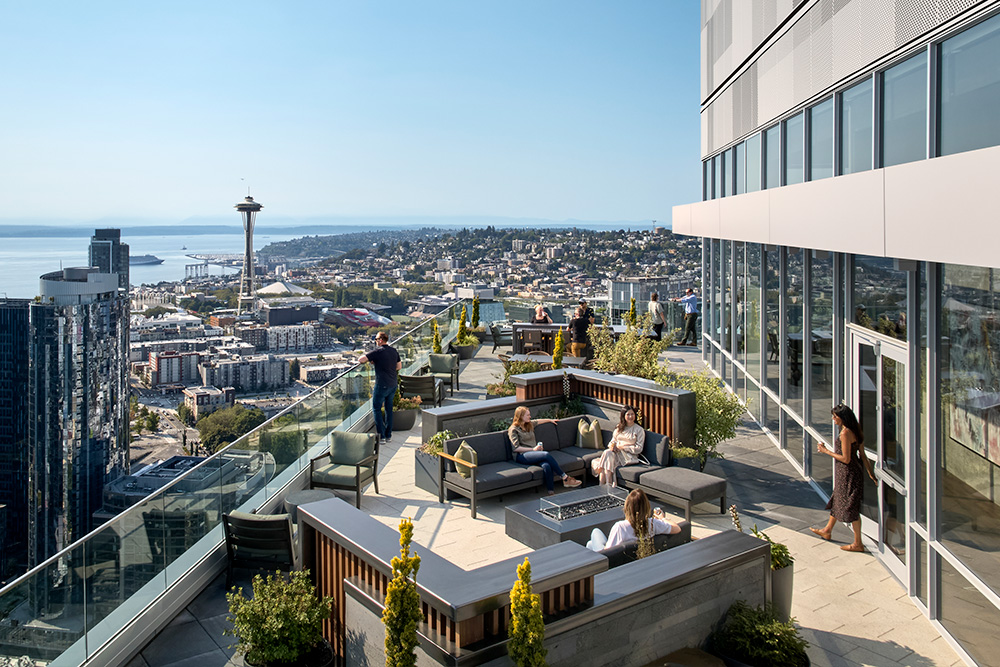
(626, 552)
(495, 474)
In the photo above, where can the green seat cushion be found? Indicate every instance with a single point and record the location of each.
(351, 447)
(466, 453)
(336, 475)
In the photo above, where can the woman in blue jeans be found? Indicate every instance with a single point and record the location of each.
(526, 451)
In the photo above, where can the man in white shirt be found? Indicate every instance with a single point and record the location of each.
(655, 309)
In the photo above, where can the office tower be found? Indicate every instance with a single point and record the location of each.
(77, 403)
(14, 433)
(109, 254)
(850, 151)
(248, 209)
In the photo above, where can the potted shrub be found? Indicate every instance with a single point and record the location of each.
(402, 610)
(717, 414)
(782, 569)
(755, 637)
(282, 624)
(425, 462)
(404, 411)
(436, 340)
(465, 343)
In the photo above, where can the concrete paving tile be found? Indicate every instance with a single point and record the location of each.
(177, 642)
(137, 661)
(215, 628)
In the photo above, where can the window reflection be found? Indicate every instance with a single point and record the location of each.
(821, 141)
(772, 272)
(970, 89)
(772, 157)
(880, 296)
(904, 112)
(794, 153)
(970, 417)
(821, 364)
(856, 128)
(740, 158)
(794, 275)
(966, 613)
(753, 304)
(753, 163)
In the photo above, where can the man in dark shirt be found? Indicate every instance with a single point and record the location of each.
(387, 364)
(588, 317)
(578, 333)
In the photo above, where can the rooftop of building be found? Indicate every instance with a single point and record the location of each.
(848, 605)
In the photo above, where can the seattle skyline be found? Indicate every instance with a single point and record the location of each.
(557, 111)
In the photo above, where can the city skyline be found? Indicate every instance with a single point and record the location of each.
(559, 111)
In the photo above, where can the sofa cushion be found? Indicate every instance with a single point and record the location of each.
(586, 454)
(657, 449)
(492, 476)
(466, 453)
(569, 462)
(683, 483)
(333, 474)
(566, 430)
(631, 473)
(547, 435)
(490, 447)
(588, 434)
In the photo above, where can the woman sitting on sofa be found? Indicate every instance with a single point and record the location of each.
(626, 444)
(526, 451)
(640, 521)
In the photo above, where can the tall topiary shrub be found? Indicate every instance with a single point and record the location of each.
(436, 345)
(527, 628)
(402, 604)
(557, 352)
(631, 313)
(463, 331)
(475, 312)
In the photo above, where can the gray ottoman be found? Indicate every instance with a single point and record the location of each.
(683, 488)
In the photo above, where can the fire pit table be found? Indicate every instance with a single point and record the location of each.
(565, 517)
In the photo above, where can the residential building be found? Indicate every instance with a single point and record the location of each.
(109, 255)
(849, 149)
(78, 424)
(172, 367)
(205, 399)
(250, 373)
(14, 431)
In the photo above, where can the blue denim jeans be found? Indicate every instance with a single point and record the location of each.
(382, 398)
(544, 461)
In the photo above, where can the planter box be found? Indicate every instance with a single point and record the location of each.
(425, 472)
(465, 351)
(689, 463)
(403, 420)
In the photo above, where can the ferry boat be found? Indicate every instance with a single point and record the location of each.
(142, 260)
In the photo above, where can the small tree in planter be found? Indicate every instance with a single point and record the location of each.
(475, 312)
(527, 627)
(463, 331)
(717, 414)
(436, 345)
(402, 604)
(557, 350)
(756, 637)
(630, 318)
(283, 622)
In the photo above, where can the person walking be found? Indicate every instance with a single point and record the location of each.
(690, 301)
(578, 333)
(848, 482)
(387, 365)
(655, 309)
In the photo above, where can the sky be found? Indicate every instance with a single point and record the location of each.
(541, 109)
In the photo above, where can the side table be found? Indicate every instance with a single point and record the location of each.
(304, 497)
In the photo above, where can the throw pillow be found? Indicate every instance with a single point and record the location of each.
(466, 453)
(588, 436)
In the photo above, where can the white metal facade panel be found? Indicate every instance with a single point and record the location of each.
(745, 218)
(944, 210)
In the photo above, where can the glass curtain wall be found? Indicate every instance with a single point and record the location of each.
(793, 341)
(754, 301)
(794, 149)
(772, 157)
(856, 127)
(970, 89)
(753, 163)
(880, 296)
(821, 325)
(772, 319)
(904, 112)
(821, 141)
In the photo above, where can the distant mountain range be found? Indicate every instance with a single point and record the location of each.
(303, 226)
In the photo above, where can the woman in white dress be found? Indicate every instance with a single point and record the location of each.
(640, 521)
(626, 444)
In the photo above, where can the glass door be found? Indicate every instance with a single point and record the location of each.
(879, 396)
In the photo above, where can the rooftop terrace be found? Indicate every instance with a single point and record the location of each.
(849, 607)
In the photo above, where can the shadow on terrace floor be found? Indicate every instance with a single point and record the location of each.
(850, 608)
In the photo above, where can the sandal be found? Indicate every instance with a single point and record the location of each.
(820, 533)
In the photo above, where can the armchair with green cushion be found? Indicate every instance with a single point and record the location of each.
(500, 338)
(351, 462)
(444, 367)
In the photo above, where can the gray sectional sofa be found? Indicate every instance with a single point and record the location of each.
(495, 474)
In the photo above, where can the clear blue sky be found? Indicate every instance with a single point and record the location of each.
(551, 109)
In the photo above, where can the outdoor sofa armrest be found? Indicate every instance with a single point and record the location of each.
(462, 461)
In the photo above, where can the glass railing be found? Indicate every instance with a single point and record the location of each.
(62, 611)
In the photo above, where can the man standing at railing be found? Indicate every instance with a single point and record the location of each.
(387, 365)
(690, 301)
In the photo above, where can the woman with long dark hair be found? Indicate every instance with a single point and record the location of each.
(641, 521)
(848, 483)
(626, 444)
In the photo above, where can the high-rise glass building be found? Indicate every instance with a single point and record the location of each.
(850, 150)
(14, 434)
(77, 403)
(108, 254)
